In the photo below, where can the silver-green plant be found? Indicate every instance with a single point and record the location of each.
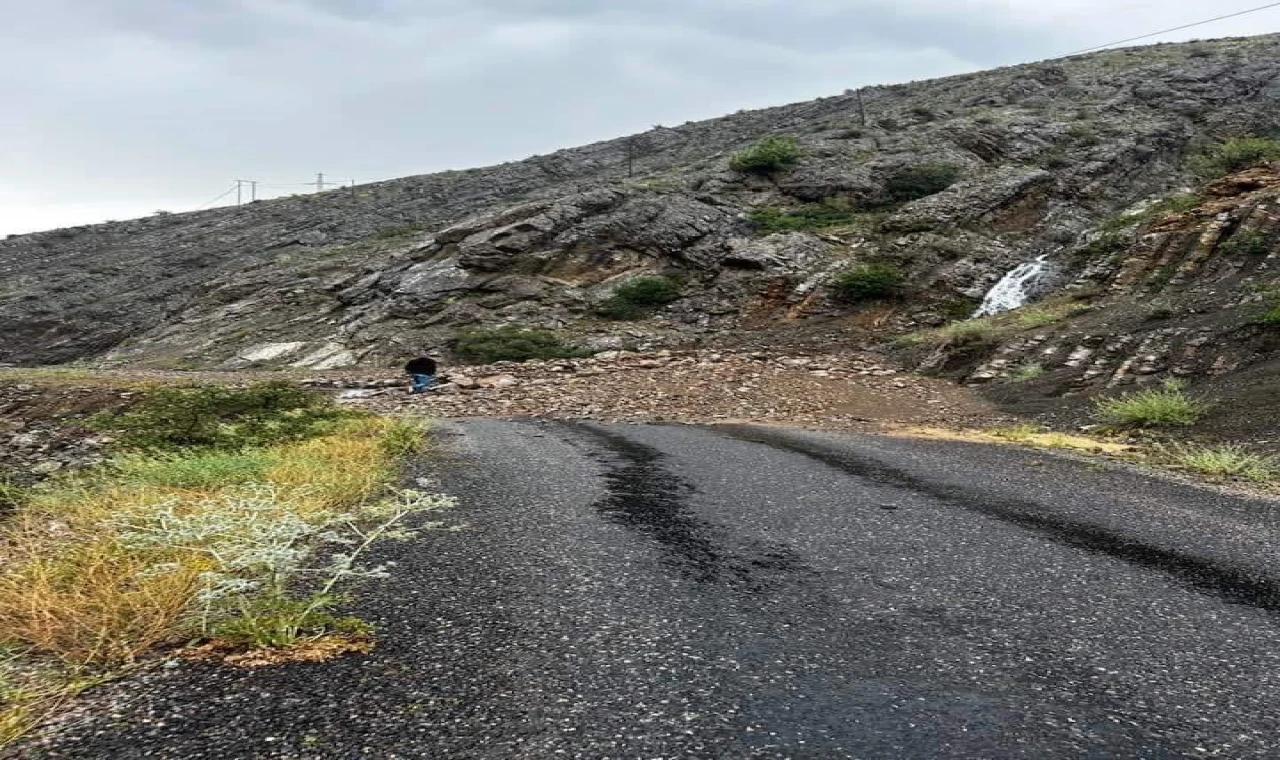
(261, 551)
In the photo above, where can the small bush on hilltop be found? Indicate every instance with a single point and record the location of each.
(1235, 155)
(867, 282)
(512, 344)
(917, 182)
(228, 419)
(1166, 406)
(639, 297)
(768, 155)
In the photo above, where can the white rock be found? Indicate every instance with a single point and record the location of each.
(498, 381)
(265, 352)
(328, 356)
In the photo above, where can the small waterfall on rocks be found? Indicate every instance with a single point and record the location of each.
(1017, 287)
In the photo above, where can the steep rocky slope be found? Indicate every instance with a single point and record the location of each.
(1186, 290)
(1043, 154)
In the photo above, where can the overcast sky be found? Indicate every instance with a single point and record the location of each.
(118, 108)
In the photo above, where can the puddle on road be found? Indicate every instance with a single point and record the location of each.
(648, 499)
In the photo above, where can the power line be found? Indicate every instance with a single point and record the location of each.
(1175, 29)
(230, 190)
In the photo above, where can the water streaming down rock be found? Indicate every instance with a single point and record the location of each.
(1019, 286)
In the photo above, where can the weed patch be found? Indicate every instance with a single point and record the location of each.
(404, 230)
(1166, 406)
(191, 470)
(1004, 325)
(1174, 204)
(1269, 314)
(811, 216)
(1223, 462)
(1027, 372)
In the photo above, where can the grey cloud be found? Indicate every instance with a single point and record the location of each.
(119, 99)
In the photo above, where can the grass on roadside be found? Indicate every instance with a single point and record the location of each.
(1166, 406)
(168, 546)
(1222, 462)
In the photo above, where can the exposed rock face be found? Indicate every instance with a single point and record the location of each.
(1045, 152)
(1177, 297)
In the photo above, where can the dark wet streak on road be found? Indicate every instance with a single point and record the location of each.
(1236, 585)
(645, 497)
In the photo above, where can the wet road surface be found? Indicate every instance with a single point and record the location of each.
(683, 592)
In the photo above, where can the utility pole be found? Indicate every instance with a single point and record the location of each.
(862, 108)
(253, 190)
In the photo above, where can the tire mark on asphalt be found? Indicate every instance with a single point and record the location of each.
(1232, 583)
(644, 497)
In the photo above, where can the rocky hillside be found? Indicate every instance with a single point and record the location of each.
(950, 183)
(1187, 289)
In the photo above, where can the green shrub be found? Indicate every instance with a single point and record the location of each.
(811, 216)
(1235, 155)
(1247, 243)
(621, 310)
(649, 291)
(768, 155)
(868, 281)
(229, 419)
(1270, 312)
(1225, 461)
(512, 344)
(917, 182)
(639, 297)
(1155, 407)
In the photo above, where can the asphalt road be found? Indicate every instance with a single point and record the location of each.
(682, 592)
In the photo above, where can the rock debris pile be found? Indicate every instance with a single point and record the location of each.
(827, 390)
